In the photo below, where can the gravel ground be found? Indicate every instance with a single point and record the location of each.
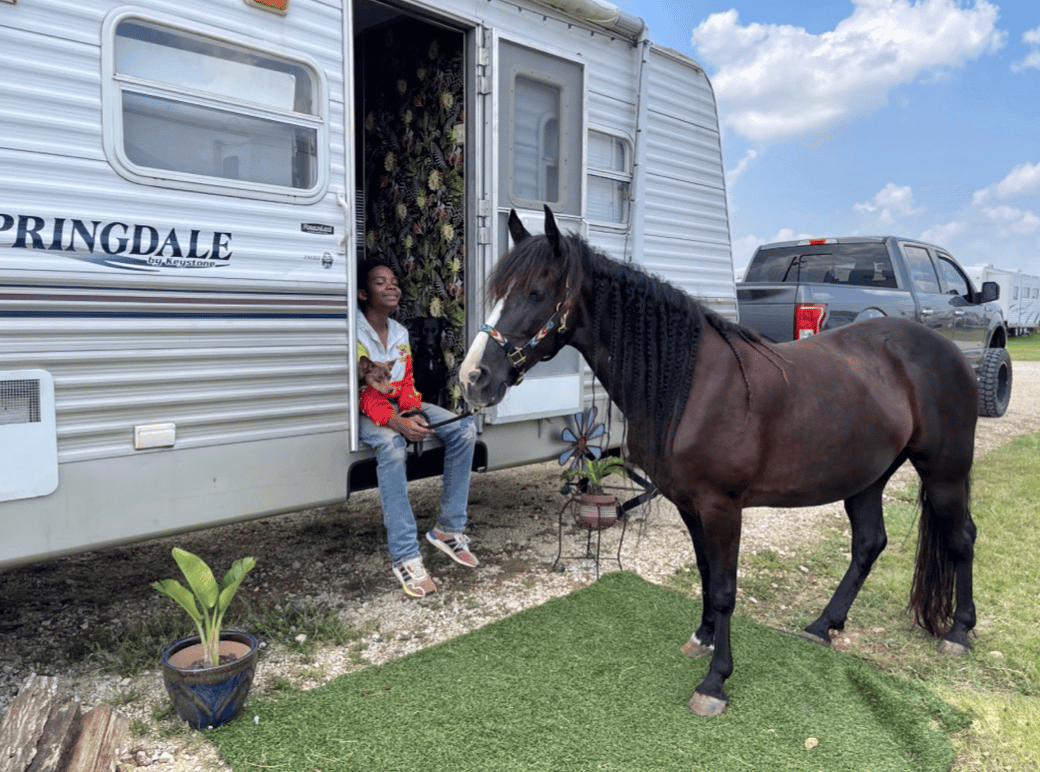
(335, 559)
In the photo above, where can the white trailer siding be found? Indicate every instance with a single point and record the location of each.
(247, 359)
(199, 339)
(1029, 303)
(686, 227)
(250, 349)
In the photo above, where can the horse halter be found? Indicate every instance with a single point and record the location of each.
(517, 355)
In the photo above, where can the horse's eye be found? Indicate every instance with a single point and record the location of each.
(537, 295)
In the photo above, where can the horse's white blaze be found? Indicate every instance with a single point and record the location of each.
(476, 350)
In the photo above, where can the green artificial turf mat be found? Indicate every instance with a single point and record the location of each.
(595, 681)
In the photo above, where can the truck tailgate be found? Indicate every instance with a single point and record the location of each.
(769, 309)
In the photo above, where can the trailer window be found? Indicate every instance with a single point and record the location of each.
(542, 119)
(609, 177)
(536, 143)
(186, 110)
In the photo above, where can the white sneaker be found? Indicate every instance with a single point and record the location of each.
(414, 579)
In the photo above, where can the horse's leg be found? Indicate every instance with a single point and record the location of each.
(702, 641)
(716, 528)
(868, 540)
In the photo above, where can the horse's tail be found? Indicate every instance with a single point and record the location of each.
(932, 590)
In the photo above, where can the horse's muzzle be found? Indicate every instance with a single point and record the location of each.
(479, 390)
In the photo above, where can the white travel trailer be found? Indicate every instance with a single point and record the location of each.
(1019, 296)
(1028, 304)
(186, 189)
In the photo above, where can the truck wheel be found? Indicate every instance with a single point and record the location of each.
(994, 376)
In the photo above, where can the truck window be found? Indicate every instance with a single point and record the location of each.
(186, 110)
(956, 282)
(860, 265)
(922, 272)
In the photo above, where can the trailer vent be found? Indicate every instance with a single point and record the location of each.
(28, 436)
(20, 402)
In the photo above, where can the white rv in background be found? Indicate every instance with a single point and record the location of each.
(1019, 296)
(185, 190)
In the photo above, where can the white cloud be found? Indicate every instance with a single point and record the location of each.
(1000, 225)
(776, 82)
(1009, 218)
(1024, 179)
(734, 174)
(890, 202)
(1032, 39)
(944, 235)
(787, 234)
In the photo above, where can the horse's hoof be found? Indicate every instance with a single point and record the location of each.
(814, 638)
(952, 647)
(694, 648)
(703, 705)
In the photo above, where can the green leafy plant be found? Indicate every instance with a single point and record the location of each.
(589, 475)
(206, 601)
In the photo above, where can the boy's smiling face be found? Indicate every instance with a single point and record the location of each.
(383, 292)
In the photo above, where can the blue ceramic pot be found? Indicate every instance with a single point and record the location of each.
(211, 696)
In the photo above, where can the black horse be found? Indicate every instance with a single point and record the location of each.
(721, 419)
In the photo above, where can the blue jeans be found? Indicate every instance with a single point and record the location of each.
(459, 438)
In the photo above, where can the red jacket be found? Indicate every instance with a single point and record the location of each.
(378, 406)
(398, 354)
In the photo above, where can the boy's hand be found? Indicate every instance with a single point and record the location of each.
(412, 427)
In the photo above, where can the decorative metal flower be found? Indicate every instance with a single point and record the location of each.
(588, 430)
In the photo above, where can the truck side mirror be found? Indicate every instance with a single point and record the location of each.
(990, 291)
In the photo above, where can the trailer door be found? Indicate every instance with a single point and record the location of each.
(541, 116)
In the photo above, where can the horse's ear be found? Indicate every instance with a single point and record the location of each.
(516, 228)
(551, 231)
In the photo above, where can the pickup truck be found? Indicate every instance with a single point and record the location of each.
(795, 289)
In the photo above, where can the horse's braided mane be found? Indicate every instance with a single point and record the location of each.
(653, 329)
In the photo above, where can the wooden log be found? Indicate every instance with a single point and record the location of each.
(25, 721)
(97, 748)
(59, 734)
(44, 731)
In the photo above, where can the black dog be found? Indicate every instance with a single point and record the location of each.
(428, 366)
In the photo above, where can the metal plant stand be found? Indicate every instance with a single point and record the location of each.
(571, 507)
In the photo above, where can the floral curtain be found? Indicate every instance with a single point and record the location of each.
(415, 174)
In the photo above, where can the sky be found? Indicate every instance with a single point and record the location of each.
(916, 118)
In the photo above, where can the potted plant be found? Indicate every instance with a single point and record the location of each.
(208, 676)
(596, 509)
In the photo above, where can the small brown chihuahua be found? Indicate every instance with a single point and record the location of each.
(374, 374)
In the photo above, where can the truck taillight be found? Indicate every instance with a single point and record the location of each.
(808, 318)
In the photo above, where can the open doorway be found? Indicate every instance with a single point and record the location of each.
(409, 139)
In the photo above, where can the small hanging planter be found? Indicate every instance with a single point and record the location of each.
(207, 696)
(596, 511)
(591, 506)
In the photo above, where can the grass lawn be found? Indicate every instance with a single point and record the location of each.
(998, 683)
(1025, 349)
